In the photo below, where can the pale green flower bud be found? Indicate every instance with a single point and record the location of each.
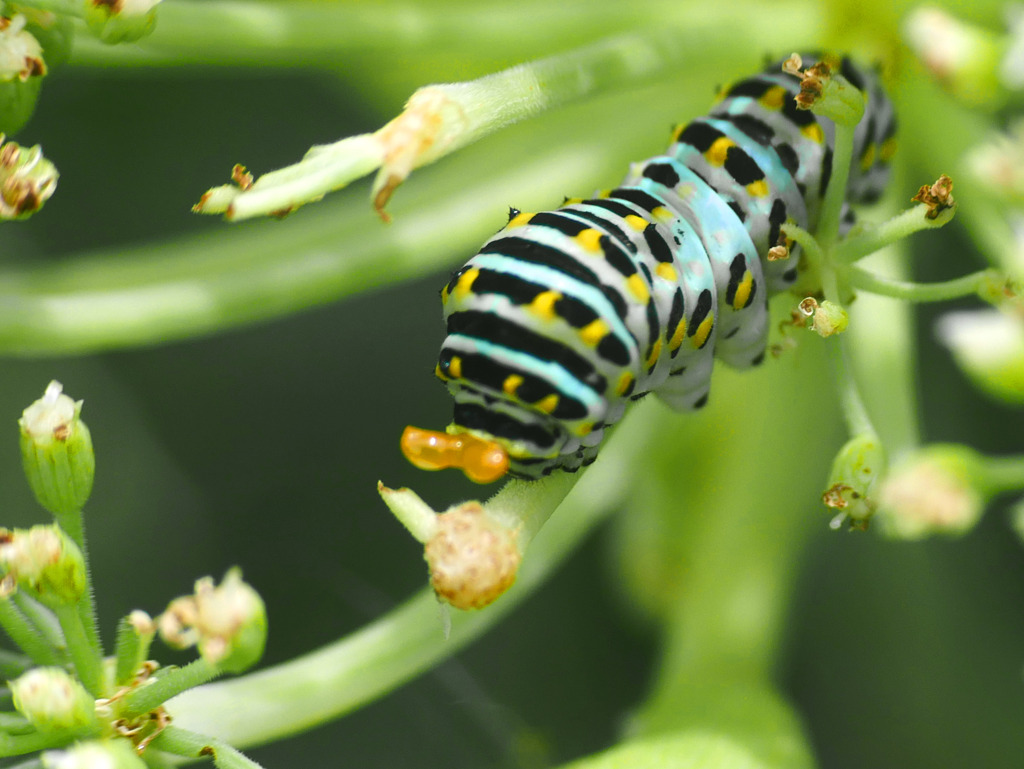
(99, 754)
(21, 56)
(52, 700)
(228, 622)
(939, 489)
(853, 483)
(44, 562)
(121, 21)
(989, 347)
(966, 59)
(56, 452)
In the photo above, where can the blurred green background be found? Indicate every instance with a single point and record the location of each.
(261, 447)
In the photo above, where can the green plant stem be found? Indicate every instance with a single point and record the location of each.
(42, 619)
(73, 525)
(87, 660)
(20, 744)
(15, 723)
(182, 742)
(1002, 474)
(166, 684)
(875, 238)
(907, 291)
(827, 229)
(340, 677)
(855, 414)
(25, 635)
(236, 32)
(13, 664)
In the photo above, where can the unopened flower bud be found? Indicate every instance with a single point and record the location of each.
(21, 73)
(964, 58)
(134, 635)
(227, 622)
(52, 700)
(473, 559)
(936, 490)
(56, 452)
(989, 347)
(853, 483)
(98, 754)
(121, 21)
(43, 561)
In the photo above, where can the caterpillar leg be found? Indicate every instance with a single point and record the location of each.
(482, 461)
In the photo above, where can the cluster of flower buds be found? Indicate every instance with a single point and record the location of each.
(227, 622)
(97, 754)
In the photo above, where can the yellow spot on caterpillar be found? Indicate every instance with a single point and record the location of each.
(638, 288)
(702, 333)
(667, 272)
(888, 149)
(455, 367)
(511, 384)
(638, 223)
(868, 158)
(444, 294)
(758, 189)
(465, 285)
(677, 336)
(773, 98)
(584, 428)
(543, 306)
(440, 374)
(523, 217)
(590, 240)
(677, 132)
(625, 382)
(743, 291)
(571, 202)
(594, 332)
(718, 150)
(813, 132)
(548, 404)
(655, 353)
(663, 214)
(603, 193)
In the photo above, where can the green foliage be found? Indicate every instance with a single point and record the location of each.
(225, 438)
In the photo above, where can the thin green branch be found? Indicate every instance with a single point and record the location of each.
(907, 291)
(443, 118)
(855, 413)
(20, 744)
(1002, 474)
(827, 229)
(42, 619)
(182, 742)
(875, 238)
(74, 525)
(25, 634)
(166, 684)
(87, 659)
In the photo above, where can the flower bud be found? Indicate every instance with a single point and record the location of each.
(52, 700)
(473, 559)
(43, 561)
(935, 490)
(98, 754)
(964, 58)
(228, 622)
(854, 479)
(21, 71)
(56, 452)
(121, 21)
(989, 347)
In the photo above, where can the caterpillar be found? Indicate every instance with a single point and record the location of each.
(564, 317)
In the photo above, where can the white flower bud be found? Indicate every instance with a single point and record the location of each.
(52, 700)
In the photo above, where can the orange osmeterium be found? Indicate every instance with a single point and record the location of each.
(482, 461)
